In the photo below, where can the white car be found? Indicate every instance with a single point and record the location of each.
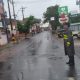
(76, 33)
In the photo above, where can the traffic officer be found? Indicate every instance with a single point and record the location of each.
(68, 44)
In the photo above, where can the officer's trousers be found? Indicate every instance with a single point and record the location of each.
(71, 60)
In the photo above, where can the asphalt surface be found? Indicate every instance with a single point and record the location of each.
(39, 58)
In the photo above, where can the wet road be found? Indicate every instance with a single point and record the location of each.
(40, 58)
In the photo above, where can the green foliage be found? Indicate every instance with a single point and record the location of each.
(52, 12)
(25, 27)
(20, 27)
(37, 20)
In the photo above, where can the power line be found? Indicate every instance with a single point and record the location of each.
(22, 9)
(17, 13)
(30, 2)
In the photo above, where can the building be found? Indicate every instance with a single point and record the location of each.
(3, 36)
(9, 25)
(75, 26)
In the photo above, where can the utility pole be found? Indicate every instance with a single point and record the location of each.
(22, 9)
(13, 10)
(16, 33)
(4, 22)
(10, 15)
(14, 15)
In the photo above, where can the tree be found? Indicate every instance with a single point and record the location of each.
(26, 25)
(30, 21)
(20, 27)
(52, 12)
(37, 20)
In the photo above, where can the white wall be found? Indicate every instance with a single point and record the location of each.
(3, 39)
(45, 25)
(14, 29)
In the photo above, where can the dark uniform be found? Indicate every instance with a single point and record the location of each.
(69, 46)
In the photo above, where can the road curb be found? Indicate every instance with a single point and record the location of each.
(11, 44)
(6, 46)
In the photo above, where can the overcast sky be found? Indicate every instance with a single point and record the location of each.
(38, 7)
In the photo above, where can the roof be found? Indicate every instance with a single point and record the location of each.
(75, 24)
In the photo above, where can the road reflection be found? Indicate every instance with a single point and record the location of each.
(72, 74)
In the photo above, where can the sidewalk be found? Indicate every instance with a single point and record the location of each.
(11, 44)
(10, 49)
(6, 46)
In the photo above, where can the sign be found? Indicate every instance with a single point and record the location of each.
(74, 15)
(63, 10)
(52, 18)
(73, 12)
(63, 14)
(63, 20)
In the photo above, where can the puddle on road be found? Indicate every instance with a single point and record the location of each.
(1, 73)
(32, 51)
(10, 57)
(20, 76)
(55, 47)
(1, 69)
(55, 58)
(45, 55)
(1, 65)
(72, 73)
(71, 78)
(9, 67)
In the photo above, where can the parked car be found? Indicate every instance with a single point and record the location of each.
(75, 27)
(76, 33)
(79, 34)
(60, 33)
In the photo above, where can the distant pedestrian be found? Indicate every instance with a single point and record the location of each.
(13, 38)
(33, 32)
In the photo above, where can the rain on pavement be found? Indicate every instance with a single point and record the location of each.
(39, 58)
